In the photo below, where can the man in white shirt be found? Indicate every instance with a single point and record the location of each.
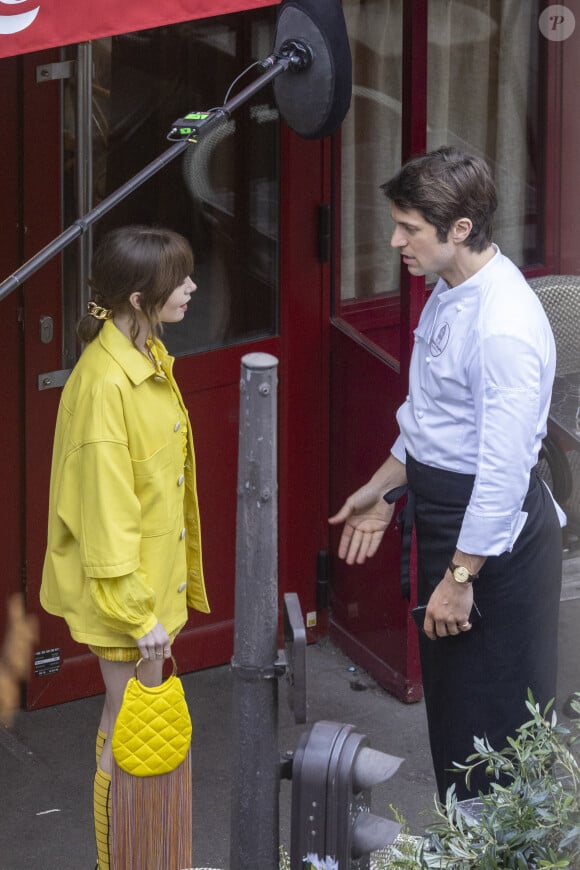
(487, 529)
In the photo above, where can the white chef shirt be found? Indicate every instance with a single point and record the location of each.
(480, 384)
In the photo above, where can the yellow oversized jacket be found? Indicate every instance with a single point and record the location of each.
(121, 499)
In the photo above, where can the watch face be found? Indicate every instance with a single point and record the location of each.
(461, 574)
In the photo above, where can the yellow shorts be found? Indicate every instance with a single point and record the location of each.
(123, 653)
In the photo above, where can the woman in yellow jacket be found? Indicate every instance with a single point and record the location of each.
(123, 558)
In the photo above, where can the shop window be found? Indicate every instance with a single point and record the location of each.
(370, 148)
(483, 91)
(222, 194)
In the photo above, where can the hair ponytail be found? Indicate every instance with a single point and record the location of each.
(151, 261)
(88, 328)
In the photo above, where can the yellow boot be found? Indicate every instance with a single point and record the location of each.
(100, 742)
(102, 808)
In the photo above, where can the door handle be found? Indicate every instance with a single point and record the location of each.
(46, 329)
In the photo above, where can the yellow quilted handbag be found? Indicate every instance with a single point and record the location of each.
(152, 733)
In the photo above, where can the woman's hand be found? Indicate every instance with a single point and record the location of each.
(365, 519)
(155, 644)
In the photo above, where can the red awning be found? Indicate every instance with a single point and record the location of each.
(31, 25)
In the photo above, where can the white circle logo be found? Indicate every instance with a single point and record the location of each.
(15, 23)
(557, 22)
(439, 342)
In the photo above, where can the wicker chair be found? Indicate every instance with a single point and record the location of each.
(560, 297)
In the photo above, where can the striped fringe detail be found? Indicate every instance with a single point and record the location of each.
(151, 824)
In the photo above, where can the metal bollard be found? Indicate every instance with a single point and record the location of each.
(256, 762)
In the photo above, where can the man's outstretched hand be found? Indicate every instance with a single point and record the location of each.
(365, 521)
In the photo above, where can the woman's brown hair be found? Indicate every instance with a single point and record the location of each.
(151, 261)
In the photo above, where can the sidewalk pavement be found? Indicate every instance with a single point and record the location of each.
(47, 756)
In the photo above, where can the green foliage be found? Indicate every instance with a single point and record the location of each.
(284, 859)
(532, 822)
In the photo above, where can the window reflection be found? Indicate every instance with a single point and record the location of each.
(484, 97)
(222, 195)
(371, 147)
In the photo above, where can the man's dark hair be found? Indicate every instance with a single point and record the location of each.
(446, 185)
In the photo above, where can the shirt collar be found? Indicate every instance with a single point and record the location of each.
(134, 363)
(474, 282)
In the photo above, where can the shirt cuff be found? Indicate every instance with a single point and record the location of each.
(490, 535)
(398, 450)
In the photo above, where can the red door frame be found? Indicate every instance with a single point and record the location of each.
(11, 392)
(41, 174)
(304, 317)
(566, 169)
(370, 619)
(303, 421)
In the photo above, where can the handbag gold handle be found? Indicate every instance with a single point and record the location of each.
(141, 660)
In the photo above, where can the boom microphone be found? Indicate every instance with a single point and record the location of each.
(313, 98)
(311, 72)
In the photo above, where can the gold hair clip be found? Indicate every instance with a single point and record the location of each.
(98, 312)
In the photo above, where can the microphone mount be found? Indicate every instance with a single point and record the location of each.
(294, 55)
(298, 52)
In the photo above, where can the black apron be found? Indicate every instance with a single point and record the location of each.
(476, 683)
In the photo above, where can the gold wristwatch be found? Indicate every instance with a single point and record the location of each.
(461, 574)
